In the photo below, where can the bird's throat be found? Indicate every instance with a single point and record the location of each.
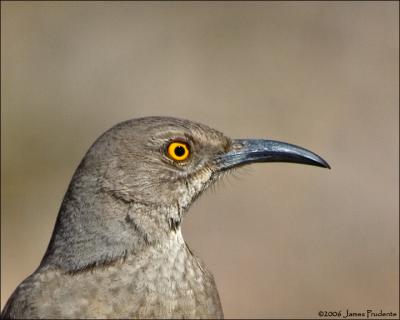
(107, 229)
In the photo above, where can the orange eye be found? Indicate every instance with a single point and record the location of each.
(178, 151)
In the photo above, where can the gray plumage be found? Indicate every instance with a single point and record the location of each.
(117, 250)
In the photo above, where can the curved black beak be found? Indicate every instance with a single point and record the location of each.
(246, 151)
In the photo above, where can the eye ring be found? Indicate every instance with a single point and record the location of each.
(178, 151)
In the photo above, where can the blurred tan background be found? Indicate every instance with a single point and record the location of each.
(283, 240)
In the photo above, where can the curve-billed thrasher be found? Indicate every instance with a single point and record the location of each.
(117, 250)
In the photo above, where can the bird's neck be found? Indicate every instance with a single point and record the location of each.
(98, 228)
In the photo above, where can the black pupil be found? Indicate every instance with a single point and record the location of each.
(179, 151)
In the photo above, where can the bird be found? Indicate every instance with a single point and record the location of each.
(117, 250)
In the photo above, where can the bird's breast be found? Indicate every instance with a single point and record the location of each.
(163, 281)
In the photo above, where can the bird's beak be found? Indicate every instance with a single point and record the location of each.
(245, 151)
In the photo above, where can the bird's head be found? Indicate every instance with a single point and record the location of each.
(168, 161)
(159, 161)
